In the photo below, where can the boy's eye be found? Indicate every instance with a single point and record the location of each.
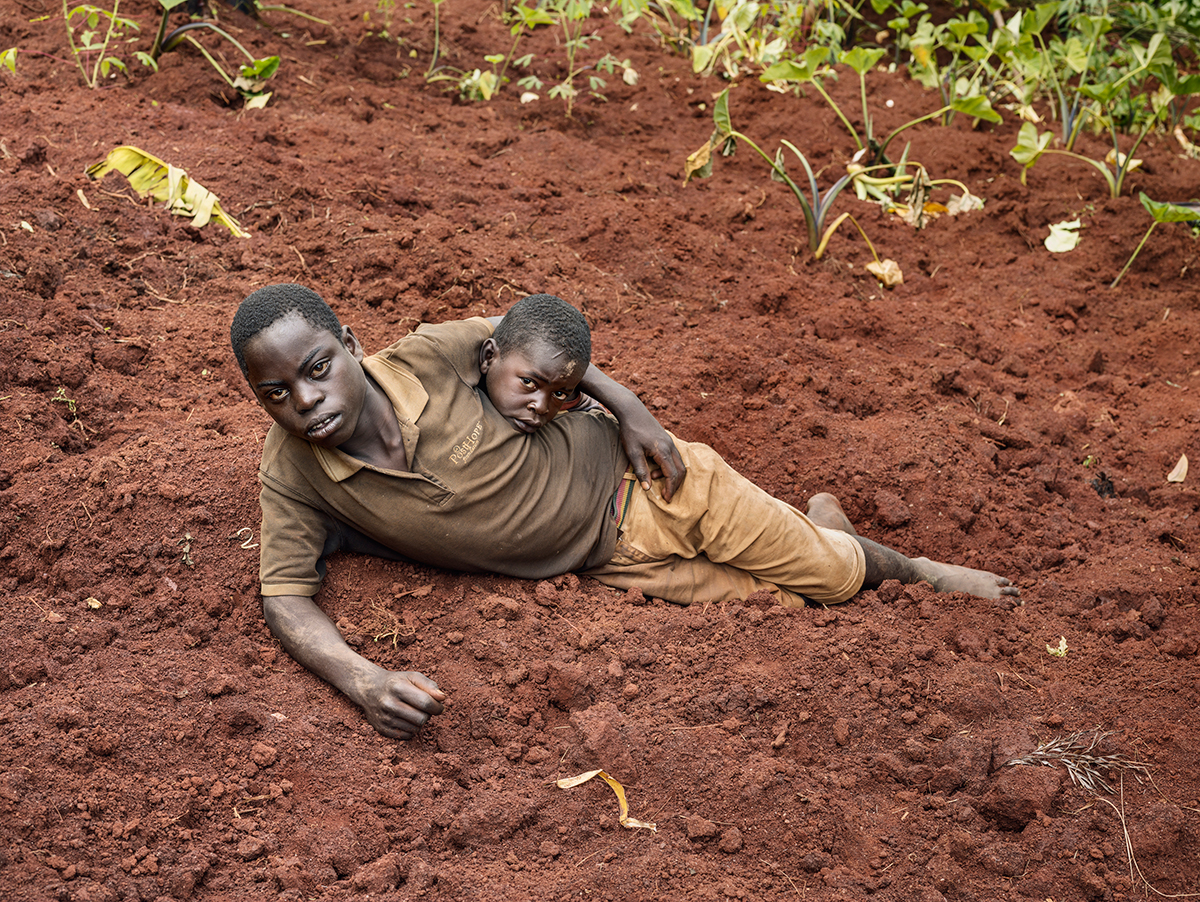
(321, 368)
(562, 395)
(276, 394)
(526, 381)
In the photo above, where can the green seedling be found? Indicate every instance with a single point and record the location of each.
(813, 67)
(724, 140)
(482, 84)
(97, 30)
(1161, 212)
(8, 58)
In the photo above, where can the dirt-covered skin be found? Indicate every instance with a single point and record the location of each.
(1003, 410)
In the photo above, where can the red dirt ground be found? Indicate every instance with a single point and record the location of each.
(159, 745)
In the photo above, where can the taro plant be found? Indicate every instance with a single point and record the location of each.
(1160, 212)
(98, 31)
(752, 33)
(814, 206)
(1155, 56)
(252, 76)
(812, 68)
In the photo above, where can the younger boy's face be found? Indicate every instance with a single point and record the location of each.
(529, 388)
(312, 384)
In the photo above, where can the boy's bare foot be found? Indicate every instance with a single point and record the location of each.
(953, 578)
(824, 510)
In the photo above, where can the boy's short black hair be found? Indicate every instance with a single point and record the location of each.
(545, 319)
(263, 308)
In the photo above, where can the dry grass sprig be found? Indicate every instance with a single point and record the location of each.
(1077, 753)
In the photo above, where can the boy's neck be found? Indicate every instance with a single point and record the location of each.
(378, 440)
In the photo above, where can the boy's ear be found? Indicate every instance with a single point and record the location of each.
(351, 343)
(488, 352)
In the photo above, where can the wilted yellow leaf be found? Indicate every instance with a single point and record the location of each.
(966, 204)
(624, 818)
(94, 603)
(887, 272)
(698, 163)
(1112, 158)
(1061, 650)
(1179, 474)
(150, 176)
(1063, 237)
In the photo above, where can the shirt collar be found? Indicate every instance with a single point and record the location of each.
(408, 399)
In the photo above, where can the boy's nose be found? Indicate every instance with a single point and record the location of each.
(307, 397)
(540, 404)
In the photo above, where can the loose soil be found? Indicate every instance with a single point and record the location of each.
(1003, 408)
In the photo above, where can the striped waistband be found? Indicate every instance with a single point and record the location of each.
(618, 505)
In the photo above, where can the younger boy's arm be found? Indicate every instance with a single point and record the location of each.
(644, 438)
(397, 704)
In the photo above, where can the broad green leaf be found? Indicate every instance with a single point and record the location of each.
(170, 4)
(805, 69)
(1030, 145)
(977, 107)
(1093, 27)
(1041, 15)
(151, 177)
(862, 60)
(1076, 56)
(702, 55)
(721, 114)
(684, 8)
(1164, 211)
(260, 70)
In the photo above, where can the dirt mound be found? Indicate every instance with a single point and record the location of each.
(1003, 408)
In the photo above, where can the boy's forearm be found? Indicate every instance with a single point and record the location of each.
(314, 642)
(612, 394)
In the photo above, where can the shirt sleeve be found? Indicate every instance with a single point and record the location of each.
(293, 539)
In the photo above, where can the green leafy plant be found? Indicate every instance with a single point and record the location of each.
(252, 76)
(97, 30)
(1160, 212)
(482, 84)
(572, 16)
(752, 33)
(812, 68)
(814, 206)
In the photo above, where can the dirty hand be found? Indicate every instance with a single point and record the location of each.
(398, 704)
(646, 441)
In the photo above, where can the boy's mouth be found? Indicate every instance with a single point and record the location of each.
(323, 427)
(525, 426)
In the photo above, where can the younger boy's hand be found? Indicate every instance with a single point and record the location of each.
(400, 703)
(647, 443)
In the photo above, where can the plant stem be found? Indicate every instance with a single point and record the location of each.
(1136, 251)
(208, 56)
(112, 23)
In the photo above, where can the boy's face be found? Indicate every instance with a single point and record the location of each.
(312, 384)
(529, 387)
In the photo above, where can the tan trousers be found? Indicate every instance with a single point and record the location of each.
(722, 537)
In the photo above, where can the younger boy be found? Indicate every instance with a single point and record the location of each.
(446, 449)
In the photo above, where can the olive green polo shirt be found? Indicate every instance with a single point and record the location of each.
(480, 496)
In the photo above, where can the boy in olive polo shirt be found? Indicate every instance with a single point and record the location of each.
(445, 449)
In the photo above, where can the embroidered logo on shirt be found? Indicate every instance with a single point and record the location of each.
(463, 451)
